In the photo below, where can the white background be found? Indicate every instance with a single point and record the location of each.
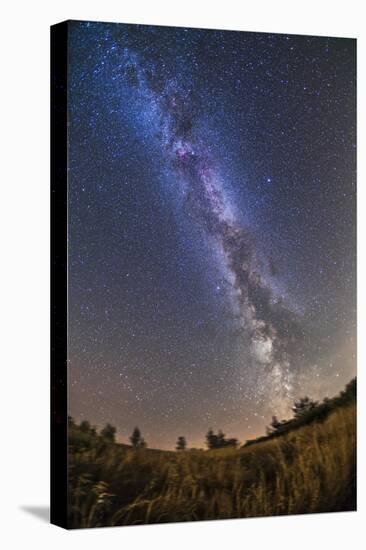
(24, 274)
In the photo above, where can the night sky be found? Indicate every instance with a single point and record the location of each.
(212, 194)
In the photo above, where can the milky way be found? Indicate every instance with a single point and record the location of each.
(201, 290)
(273, 331)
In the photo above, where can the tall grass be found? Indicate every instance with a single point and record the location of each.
(311, 469)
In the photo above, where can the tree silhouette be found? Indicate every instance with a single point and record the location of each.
(136, 439)
(108, 433)
(85, 426)
(211, 439)
(181, 443)
(277, 426)
(218, 441)
(304, 405)
(350, 392)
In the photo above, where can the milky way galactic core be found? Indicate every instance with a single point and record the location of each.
(212, 220)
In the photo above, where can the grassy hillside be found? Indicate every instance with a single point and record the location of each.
(306, 470)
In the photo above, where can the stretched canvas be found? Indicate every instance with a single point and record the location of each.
(203, 274)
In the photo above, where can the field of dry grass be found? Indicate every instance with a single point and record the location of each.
(308, 470)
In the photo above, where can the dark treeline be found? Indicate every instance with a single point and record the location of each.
(84, 433)
(305, 411)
